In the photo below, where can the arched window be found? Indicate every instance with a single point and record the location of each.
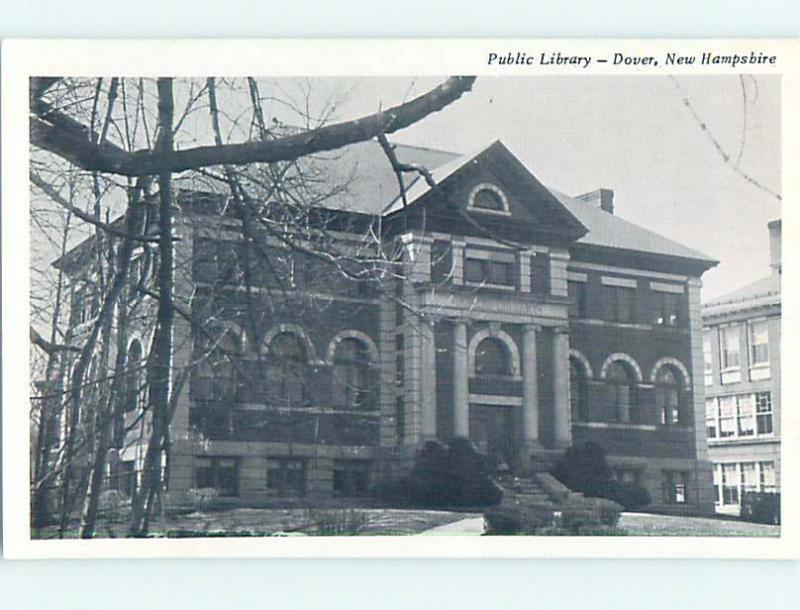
(667, 396)
(287, 371)
(216, 370)
(578, 391)
(492, 358)
(620, 383)
(351, 374)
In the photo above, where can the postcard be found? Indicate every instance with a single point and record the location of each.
(399, 298)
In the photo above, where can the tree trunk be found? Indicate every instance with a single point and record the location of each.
(160, 371)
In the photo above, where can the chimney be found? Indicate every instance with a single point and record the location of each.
(601, 198)
(775, 245)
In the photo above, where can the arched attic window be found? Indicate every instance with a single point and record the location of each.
(352, 374)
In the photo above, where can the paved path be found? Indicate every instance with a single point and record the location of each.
(471, 526)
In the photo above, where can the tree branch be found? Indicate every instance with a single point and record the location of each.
(69, 139)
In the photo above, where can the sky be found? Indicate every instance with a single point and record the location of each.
(632, 134)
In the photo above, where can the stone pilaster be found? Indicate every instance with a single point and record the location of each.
(530, 388)
(524, 265)
(561, 403)
(460, 380)
(558, 272)
(457, 252)
(428, 381)
(417, 257)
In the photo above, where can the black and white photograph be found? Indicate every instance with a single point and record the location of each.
(530, 306)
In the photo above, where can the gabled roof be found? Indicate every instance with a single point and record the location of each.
(609, 231)
(763, 292)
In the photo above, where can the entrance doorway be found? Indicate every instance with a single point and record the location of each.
(492, 429)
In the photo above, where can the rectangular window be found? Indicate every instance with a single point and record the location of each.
(729, 341)
(749, 478)
(759, 344)
(711, 418)
(220, 473)
(286, 476)
(727, 416)
(675, 487)
(400, 419)
(746, 415)
(484, 271)
(767, 480)
(350, 477)
(540, 273)
(577, 299)
(717, 485)
(620, 304)
(667, 309)
(730, 485)
(764, 412)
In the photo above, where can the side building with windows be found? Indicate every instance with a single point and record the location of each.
(511, 314)
(741, 345)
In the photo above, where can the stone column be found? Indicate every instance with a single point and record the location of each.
(460, 380)
(561, 403)
(457, 252)
(530, 388)
(428, 381)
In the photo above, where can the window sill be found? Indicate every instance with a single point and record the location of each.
(490, 286)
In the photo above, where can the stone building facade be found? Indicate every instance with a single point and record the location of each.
(518, 317)
(741, 342)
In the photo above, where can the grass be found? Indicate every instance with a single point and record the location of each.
(643, 524)
(271, 521)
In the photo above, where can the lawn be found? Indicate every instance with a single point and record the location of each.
(266, 521)
(642, 524)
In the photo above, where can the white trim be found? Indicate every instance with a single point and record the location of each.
(663, 287)
(311, 351)
(622, 357)
(501, 335)
(597, 424)
(627, 270)
(621, 282)
(669, 361)
(587, 367)
(495, 399)
(353, 334)
(574, 276)
(489, 255)
(487, 186)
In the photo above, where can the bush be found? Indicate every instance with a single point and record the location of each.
(761, 507)
(113, 505)
(584, 468)
(338, 522)
(508, 521)
(201, 499)
(629, 495)
(444, 476)
(592, 513)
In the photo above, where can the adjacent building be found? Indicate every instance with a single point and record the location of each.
(519, 317)
(741, 345)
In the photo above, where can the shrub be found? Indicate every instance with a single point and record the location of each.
(761, 507)
(201, 499)
(338, 522)
(629, 495)
(583, 468)
(113, 505)
(514, 521)
(577, 518)
(445, 476)
(590, 514)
